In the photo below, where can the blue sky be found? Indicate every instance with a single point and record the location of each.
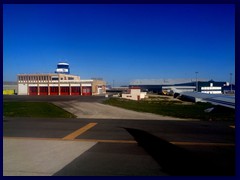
(120, 42)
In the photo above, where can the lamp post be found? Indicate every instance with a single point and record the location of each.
(196, 82)
(231, 82)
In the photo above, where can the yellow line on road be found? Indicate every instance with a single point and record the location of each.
(124, 141)
(107, 141)
(82, 140)
(79, 131)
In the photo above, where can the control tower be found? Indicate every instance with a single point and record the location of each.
(63, 68)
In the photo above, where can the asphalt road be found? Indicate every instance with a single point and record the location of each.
(115, 147)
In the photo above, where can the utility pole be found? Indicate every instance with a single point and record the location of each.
(196, 82)
(231, 82)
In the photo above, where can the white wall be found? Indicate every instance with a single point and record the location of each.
(142, 95)
(22, 89)
(134, 94)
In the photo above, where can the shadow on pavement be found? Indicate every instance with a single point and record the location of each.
(178, 161)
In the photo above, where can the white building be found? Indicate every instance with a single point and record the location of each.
(134, 94)
(58, 84)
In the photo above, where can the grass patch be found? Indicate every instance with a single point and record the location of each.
(174, 109)
(34, 109)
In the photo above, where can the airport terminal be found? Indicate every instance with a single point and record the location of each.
(59, 83)
(167, 86)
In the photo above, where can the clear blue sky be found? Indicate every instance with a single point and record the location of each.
(120, 42)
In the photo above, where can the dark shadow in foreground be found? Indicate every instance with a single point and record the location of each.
(178, 161)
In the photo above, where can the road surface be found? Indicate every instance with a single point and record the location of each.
(116, 147)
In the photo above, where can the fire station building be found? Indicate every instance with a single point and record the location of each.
(59, 84)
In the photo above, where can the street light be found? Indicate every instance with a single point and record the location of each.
(196, 82)
(231, 82)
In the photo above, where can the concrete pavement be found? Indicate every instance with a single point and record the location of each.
(94, 110)
(31, 157)
(57, 157)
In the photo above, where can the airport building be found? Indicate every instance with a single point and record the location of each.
(167, 86)
(134, 93)
(63, 68)
(59, 83)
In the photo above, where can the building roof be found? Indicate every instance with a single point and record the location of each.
(63, 63)
(47, 74)
(162, 81)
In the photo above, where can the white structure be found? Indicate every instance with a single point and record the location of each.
(63, 68)
(216, 99)
(212, 89)
(134, 94)
(58, 84)
(177, 89)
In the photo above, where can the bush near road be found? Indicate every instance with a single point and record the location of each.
(175, 108)
(34, 109)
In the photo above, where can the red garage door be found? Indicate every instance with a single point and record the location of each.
(86, 91)
(75, 91)
(33, 90)
(43, 91)
(64, 90)
(53, 90)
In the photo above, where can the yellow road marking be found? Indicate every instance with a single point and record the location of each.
(123, 141)
(107, 140)
(232, 127)
(83, 140)
(79, 131)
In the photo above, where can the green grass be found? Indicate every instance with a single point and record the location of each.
(34, 109)
(175, 109)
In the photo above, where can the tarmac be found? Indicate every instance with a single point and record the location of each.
(39, 157)
(95, 110)
(44, 157)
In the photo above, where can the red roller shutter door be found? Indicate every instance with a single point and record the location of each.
(64, 90)
(33, 91)
(86, 91)
(75, 91)
(43, 91)
(53, 90)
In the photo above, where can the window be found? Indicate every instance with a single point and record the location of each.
(62, 66)
(70, 78)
